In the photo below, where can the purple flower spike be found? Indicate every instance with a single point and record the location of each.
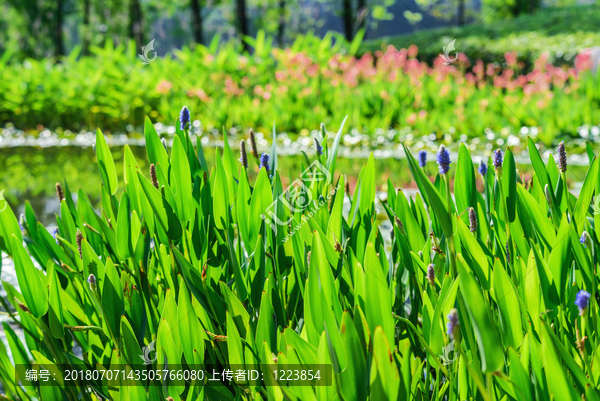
(443, 160)
(582, 300)
(431, 273)
(562, 157)
(422, 158)
(184, 117)
(264, 161)
(453, 323)
(318, 147)
(497, 159)
(483, 168)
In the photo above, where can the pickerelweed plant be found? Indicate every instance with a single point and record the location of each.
(487, 294)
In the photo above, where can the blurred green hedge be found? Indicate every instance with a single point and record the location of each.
(562, 32)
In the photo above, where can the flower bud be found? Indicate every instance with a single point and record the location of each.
(472, 220)
(498, 159)
(243, 155)
(264, 161)
(586, 240)
(59, 192)
(483, 168)
(92, 282)
(548, 194)
(184, 117)
(562, 157)
(443, 160)
(431, 274)
(422, 158)
(78, 239)
(253, 147)
(153, 176)
(318, 147)
(582, 300)
(453, 324)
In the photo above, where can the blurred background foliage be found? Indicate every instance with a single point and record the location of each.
(562, 32)
(38, 29)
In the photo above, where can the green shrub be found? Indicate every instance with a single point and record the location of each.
(312, 82)
(203, 267)
(562, 32)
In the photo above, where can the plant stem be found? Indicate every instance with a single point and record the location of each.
(511, 255)
(566, 195)
(451, 246)
(429, 350)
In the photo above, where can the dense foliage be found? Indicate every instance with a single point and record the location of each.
(504, 274)
(392, 89)
(562, 32)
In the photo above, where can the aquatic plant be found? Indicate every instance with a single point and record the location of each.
(478, 294)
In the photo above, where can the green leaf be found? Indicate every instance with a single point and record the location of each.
(234, 343)
(559, 385)
(385, 383)
(55, 313)
(508, 303)
(334, 226)
(220, 196)
(519, 377)
(465, 190)
(112, 298)
(585, 195)
(260, 202)
(125, 247)
(155, 149)
(536, 216)
(243, 207)
(33, 288)
(378, 303)
(367, 186)
(162, 209)
(332, 154)
(436, 203)
(131, 348)
(538, 165)
(354, 379)
(68, 226)
(560, 257)
(189, 327)
(266, 328)
(9, 227)
(479, 261)
(183, 178)
(106, 163)
(509, 183)
(486, 333)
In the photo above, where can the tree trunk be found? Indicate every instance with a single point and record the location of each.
(281, 26)
(347, 19)
(136, 31)
(461, 12)
(86, 27)
(242, 21)
(197, 21)
(58, 40)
